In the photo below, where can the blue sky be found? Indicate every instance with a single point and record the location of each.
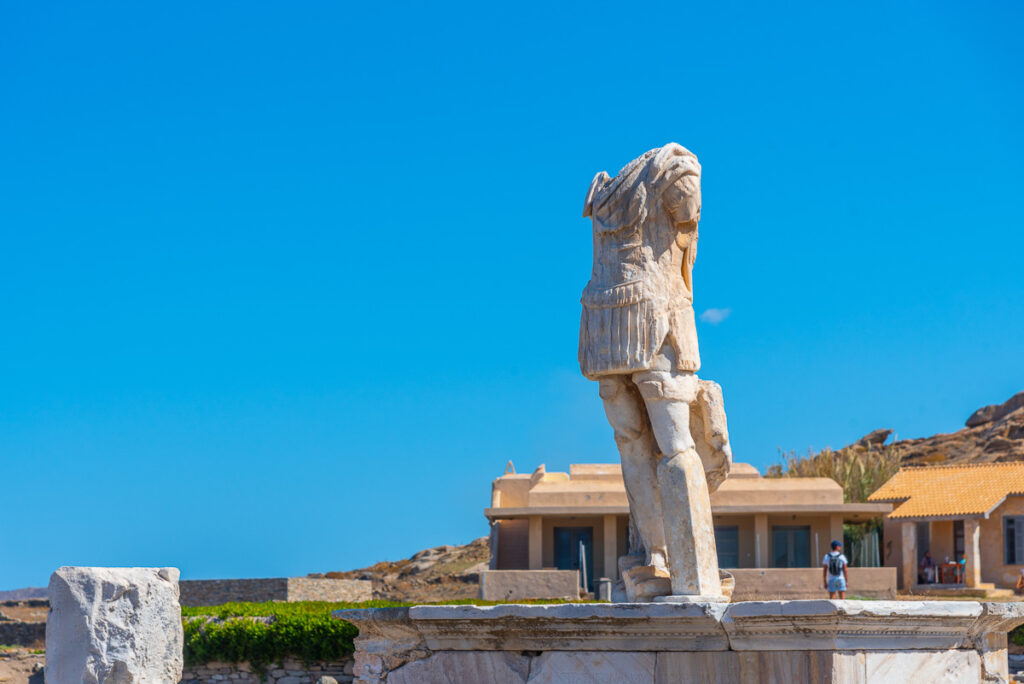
(284, 285)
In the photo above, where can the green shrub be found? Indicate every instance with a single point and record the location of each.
(263, 641)
(266, 633)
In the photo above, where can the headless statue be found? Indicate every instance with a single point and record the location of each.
(638, 339)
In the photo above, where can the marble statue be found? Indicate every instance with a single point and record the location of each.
(638, 339)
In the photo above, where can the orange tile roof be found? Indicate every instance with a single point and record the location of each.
(933, 491)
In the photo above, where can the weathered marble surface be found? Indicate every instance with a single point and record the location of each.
(492, 667)
(663, 643)
(560, 667)
(638, 339)
(114, 625)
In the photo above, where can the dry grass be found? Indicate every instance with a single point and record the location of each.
(859, 470)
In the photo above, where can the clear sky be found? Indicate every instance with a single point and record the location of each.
(284, 285)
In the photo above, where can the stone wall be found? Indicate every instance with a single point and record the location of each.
(216, 592)
(763, 584)
(288, 672)
(316, 589)
(28, 634)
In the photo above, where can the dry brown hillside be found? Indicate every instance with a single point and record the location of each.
(438, 574)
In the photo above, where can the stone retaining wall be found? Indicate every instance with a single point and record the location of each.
(28, 634)
(216, 592)
(288, 672)
(316, 589)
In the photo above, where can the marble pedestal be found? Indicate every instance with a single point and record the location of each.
(666, 643)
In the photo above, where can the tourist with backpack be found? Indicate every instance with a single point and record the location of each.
(833, 571)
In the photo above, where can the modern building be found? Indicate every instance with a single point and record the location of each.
(970, 517)
(771, 533)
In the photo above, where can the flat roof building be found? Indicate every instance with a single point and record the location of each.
(779, 526)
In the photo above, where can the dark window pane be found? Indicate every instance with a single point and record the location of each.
(1009, 540)
(791, 547)
(727, 541)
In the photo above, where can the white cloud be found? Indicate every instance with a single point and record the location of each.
(715, 316)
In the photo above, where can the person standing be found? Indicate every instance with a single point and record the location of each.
(833, 571)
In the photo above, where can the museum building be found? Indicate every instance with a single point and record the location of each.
(770, 533)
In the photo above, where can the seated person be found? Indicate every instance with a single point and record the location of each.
(928, 568)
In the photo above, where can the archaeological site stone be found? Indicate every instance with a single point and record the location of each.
(638, 339)
(114, 626)
(769, 642)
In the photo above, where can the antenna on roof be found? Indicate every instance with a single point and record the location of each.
(510, 469)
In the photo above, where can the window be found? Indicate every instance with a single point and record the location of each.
(791, 547)
(1013, 539)
(568, 541)
(727, 541)
(958, 540)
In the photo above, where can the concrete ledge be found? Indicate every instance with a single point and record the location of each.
(572, 627)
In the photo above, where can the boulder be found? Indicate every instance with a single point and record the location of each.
(988, 414)
(114, 626)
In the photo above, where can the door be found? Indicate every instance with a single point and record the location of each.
(791, 546)
(924, 540)
(567, 550)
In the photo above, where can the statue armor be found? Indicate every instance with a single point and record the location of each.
(640, 294)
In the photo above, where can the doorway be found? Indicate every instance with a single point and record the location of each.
(791, 546)
(567, 550)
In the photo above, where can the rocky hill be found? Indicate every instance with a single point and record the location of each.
(992, 434)
(23, 594)
(438, 574)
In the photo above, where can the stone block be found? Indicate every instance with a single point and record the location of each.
(584, 667)
(443, 667)
(948, 667)
(697, 667)
(120, 625)
(729, 667)
(517, 585)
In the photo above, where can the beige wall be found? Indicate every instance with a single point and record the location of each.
(623, 538)
(790, 583)
(892, 545)
(993, 569)
(513, 544)
(940, 541)
(755, 491)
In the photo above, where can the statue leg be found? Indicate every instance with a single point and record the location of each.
(686, 503)
(625, 411)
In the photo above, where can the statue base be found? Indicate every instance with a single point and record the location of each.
(670, 643)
